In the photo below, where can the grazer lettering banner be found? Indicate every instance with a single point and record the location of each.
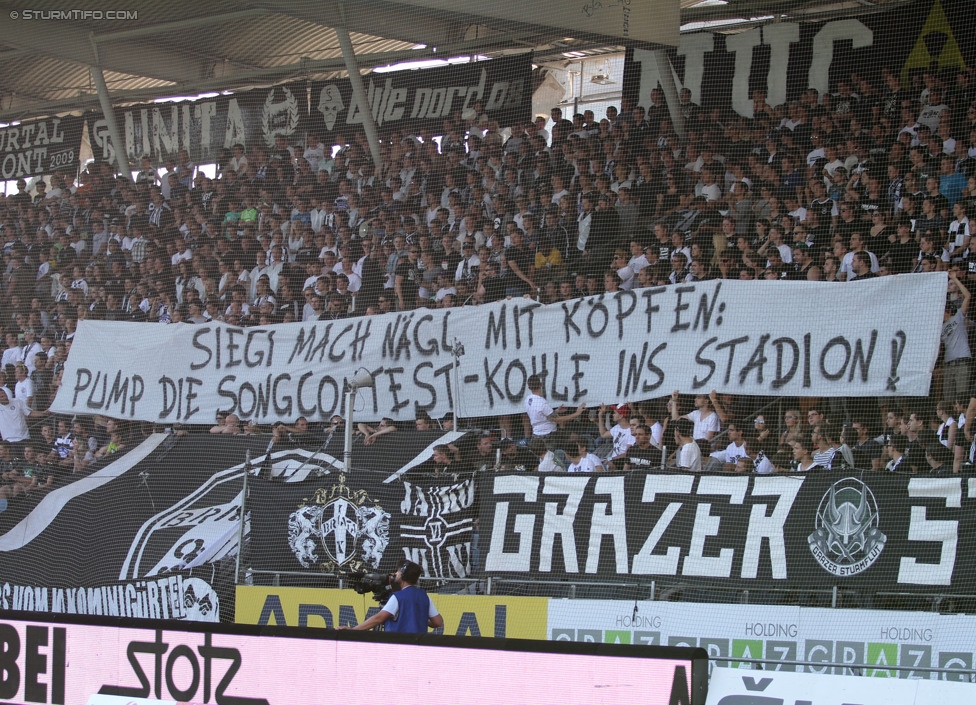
(203, 127)
(418, 99)
(877, 531)
(40, 147)
(785, 58)
(873, 338)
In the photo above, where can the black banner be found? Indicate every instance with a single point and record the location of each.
(154, 533)
(359, 523)
(41, 147)
(414, 100)
(783, 59)
(117, 538)
(203, 127)
(871, 532)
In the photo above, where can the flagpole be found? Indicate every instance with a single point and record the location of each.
(240, 535)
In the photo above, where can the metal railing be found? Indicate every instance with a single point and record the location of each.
(652, 590)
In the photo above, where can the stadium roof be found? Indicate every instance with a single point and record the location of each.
(181, 48)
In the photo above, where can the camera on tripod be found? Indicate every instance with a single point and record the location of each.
(381, 585)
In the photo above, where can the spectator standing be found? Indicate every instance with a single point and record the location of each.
(955, 339)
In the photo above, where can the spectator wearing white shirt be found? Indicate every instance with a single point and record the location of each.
(542, 417)
(708, 187)
(580, 460)
(726, 459)
(30, 349)
(467, 268)
(620, 435)
(13, 420)
(689, 454)
(24, 388)
(847, 263)
(238, 162)
(314, 152)
(705, 421)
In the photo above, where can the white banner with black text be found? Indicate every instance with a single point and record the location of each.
(873, 338)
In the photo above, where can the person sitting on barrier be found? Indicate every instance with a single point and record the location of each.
(962, 450)
(6, 458)
(33, 470)
(791, 430)
(116, 444)
(478, 455)
(912, 428)
(9, 490)
(764, 434)
(14, 481)
(372, 434)
(866, 450)
(946, 430)
(298, 434)
(423, 422)
(822, 436)
(230, 426)
(447, 421)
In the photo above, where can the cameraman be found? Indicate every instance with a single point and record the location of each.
(409, 609)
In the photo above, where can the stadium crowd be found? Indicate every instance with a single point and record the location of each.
(875, 179)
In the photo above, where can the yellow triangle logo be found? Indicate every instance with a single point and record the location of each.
(935, 43)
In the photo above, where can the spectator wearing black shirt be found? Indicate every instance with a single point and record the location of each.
(408, 279)
(516, 457)
(866, 450)
(520, 263)
(642, 455)
(904, 250)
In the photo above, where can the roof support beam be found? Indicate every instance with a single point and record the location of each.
(73, 44)
(168, 27)
(382, 20)
(249, 79)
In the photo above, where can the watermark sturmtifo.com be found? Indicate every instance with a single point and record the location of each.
(74, 14)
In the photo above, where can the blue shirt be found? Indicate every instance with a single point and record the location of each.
(412, 611)
(951, 187)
